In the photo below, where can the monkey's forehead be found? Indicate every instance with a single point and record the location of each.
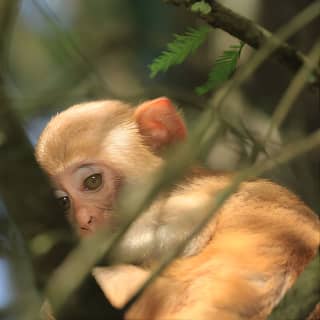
(80, 131)
(104, 112)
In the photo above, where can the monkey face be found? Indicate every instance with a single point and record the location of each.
(86, 191)
(87, 148)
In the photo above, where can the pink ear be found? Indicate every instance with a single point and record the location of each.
(160, 123)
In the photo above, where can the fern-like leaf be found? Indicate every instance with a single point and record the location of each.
(222, 69)
(178, 50)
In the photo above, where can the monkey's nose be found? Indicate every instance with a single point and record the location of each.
(85, 221)
(89, 225)
(90, 221)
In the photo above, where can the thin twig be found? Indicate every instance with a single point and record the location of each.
(18, 167)
(59, 87)
(18, 170)
(289, 152)
(67, 277)
(66, 37)
(250, 32)
(70, 273)
(296, 86)
(270, 46)
(8, 10)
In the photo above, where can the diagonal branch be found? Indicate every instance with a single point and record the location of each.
(250, 32)
(288, 153)
(23, 187)
(296, 86)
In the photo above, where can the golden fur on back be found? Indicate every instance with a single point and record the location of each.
(260, 241)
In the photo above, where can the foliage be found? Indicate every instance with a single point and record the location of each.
(202, 7)
(222, 69)
(186, 44)
(178, 50)
(60, 86)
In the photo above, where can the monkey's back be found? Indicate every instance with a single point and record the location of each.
(260, 241)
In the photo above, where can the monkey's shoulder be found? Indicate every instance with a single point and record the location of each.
(259, 197)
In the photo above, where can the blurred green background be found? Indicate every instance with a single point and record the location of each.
(64, 52)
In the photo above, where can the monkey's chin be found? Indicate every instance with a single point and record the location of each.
(83, 233)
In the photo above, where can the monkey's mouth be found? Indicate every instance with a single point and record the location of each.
(84, 232)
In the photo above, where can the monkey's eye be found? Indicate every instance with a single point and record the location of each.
(64, 203)
(63, 199)
(93, 182)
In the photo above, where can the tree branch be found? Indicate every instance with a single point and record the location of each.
(250, 32)
(23, 187)
(7, 11)
(296, 86)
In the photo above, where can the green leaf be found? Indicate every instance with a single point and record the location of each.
(178, 50)
(201, 7)
(222, 69)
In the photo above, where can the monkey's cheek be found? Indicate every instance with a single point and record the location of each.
(109, 220)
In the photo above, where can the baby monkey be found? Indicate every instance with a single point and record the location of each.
(238, 267)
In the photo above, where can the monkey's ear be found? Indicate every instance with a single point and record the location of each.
(160, 123)
(119, 283)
